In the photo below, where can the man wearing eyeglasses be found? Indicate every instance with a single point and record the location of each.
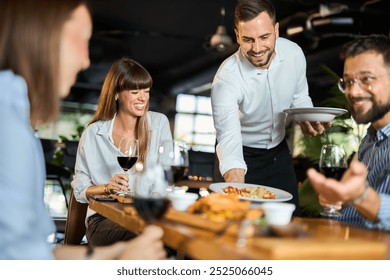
(364, 190)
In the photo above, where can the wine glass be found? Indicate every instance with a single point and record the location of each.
(173, 157)
(333, 163)
(128, 153)
(150, 199)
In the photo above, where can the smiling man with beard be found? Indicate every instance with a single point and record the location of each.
(249, 93)
(364, 190)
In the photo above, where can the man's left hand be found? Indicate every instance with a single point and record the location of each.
(313, 128)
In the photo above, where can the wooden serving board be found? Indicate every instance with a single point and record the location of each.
(130, 210)
(122, 199)
(195, 220)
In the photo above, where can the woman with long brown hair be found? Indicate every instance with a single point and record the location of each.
(123, 110)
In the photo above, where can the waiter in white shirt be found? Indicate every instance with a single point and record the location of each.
(249, 93)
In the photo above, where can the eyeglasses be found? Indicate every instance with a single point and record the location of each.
(363, 81)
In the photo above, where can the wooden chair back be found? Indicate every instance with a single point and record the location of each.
(75, 221)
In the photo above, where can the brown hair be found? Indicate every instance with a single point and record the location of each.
(249, 9)
(30, 33)
(125, 74)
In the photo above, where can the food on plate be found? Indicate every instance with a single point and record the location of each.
(250, 192)
(222, 207)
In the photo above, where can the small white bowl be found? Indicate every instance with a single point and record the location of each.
(278, 213)
(181, 201)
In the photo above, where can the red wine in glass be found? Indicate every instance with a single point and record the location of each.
(150, 199)
(127, 162)
(173, 156)
(127, 156)
(179, 172)
(333, 163)
(333, 172)
(151, 209)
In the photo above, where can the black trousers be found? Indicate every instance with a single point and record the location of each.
(273, 168)
(102, 231)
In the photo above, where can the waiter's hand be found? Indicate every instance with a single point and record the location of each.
(313, 128)
(235, 175)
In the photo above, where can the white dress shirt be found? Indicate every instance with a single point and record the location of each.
(248, 102)
(96, 160)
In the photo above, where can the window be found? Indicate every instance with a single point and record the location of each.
(194, 122)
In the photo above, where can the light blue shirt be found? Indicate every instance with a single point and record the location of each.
(24, 220)
(96, 160)
(248, 102)
(374, 152)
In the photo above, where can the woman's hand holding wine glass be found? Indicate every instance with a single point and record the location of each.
(119, 183)
(128, 153)
(333, 163)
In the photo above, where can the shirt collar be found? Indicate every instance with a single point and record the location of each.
(107, 127)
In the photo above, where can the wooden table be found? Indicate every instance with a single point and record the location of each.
(323, 238)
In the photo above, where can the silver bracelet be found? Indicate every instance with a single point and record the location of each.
(362, 196)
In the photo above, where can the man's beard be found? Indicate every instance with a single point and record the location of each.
(260, 64)
(375, 113)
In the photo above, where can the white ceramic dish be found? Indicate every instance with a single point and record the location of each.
(181, 201)
(278, 214)
(315, 114)
(280, 194)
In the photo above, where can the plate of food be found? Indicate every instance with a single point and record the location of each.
(315, 114)
(252, 192)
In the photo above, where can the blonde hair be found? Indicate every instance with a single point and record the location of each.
(125, 74)
(30, 34)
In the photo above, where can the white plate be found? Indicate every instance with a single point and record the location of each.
(315, 114)
(280, 194)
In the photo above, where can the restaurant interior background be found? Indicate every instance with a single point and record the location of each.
(183, 42)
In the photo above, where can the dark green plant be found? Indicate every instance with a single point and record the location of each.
(58, 158)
